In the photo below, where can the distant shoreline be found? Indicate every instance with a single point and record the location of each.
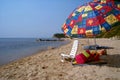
(52, 39)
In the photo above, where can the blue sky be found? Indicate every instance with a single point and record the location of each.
(34, 18)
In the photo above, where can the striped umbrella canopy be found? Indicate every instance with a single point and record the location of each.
(92, 18)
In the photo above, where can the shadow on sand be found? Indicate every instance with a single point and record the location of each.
(110, 61)
(113, 60)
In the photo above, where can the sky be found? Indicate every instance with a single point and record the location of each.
(34, 18)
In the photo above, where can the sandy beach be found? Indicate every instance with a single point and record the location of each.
(46, 65)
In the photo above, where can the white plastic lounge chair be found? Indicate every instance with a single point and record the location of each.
(72, 53)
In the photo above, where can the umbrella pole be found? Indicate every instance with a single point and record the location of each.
(95, 43)
(95, 40)
(88, 41)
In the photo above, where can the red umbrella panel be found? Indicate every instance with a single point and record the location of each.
(92, 18)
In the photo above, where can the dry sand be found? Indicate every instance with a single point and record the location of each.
(46, 65)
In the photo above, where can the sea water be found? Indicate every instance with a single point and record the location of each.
(12, 49)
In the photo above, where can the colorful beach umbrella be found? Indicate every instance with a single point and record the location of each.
(92, 18)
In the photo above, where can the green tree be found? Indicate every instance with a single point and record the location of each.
(59, 35)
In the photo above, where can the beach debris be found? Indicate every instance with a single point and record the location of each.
(44, 67)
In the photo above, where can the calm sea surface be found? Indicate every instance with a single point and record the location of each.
(12, 49)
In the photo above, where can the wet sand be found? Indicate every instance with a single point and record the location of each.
(46, 65)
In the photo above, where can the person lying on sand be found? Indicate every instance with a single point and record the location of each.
(88, 56)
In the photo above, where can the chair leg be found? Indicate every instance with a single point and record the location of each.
(62, 60)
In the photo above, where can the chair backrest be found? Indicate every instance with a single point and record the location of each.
(74, 49)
